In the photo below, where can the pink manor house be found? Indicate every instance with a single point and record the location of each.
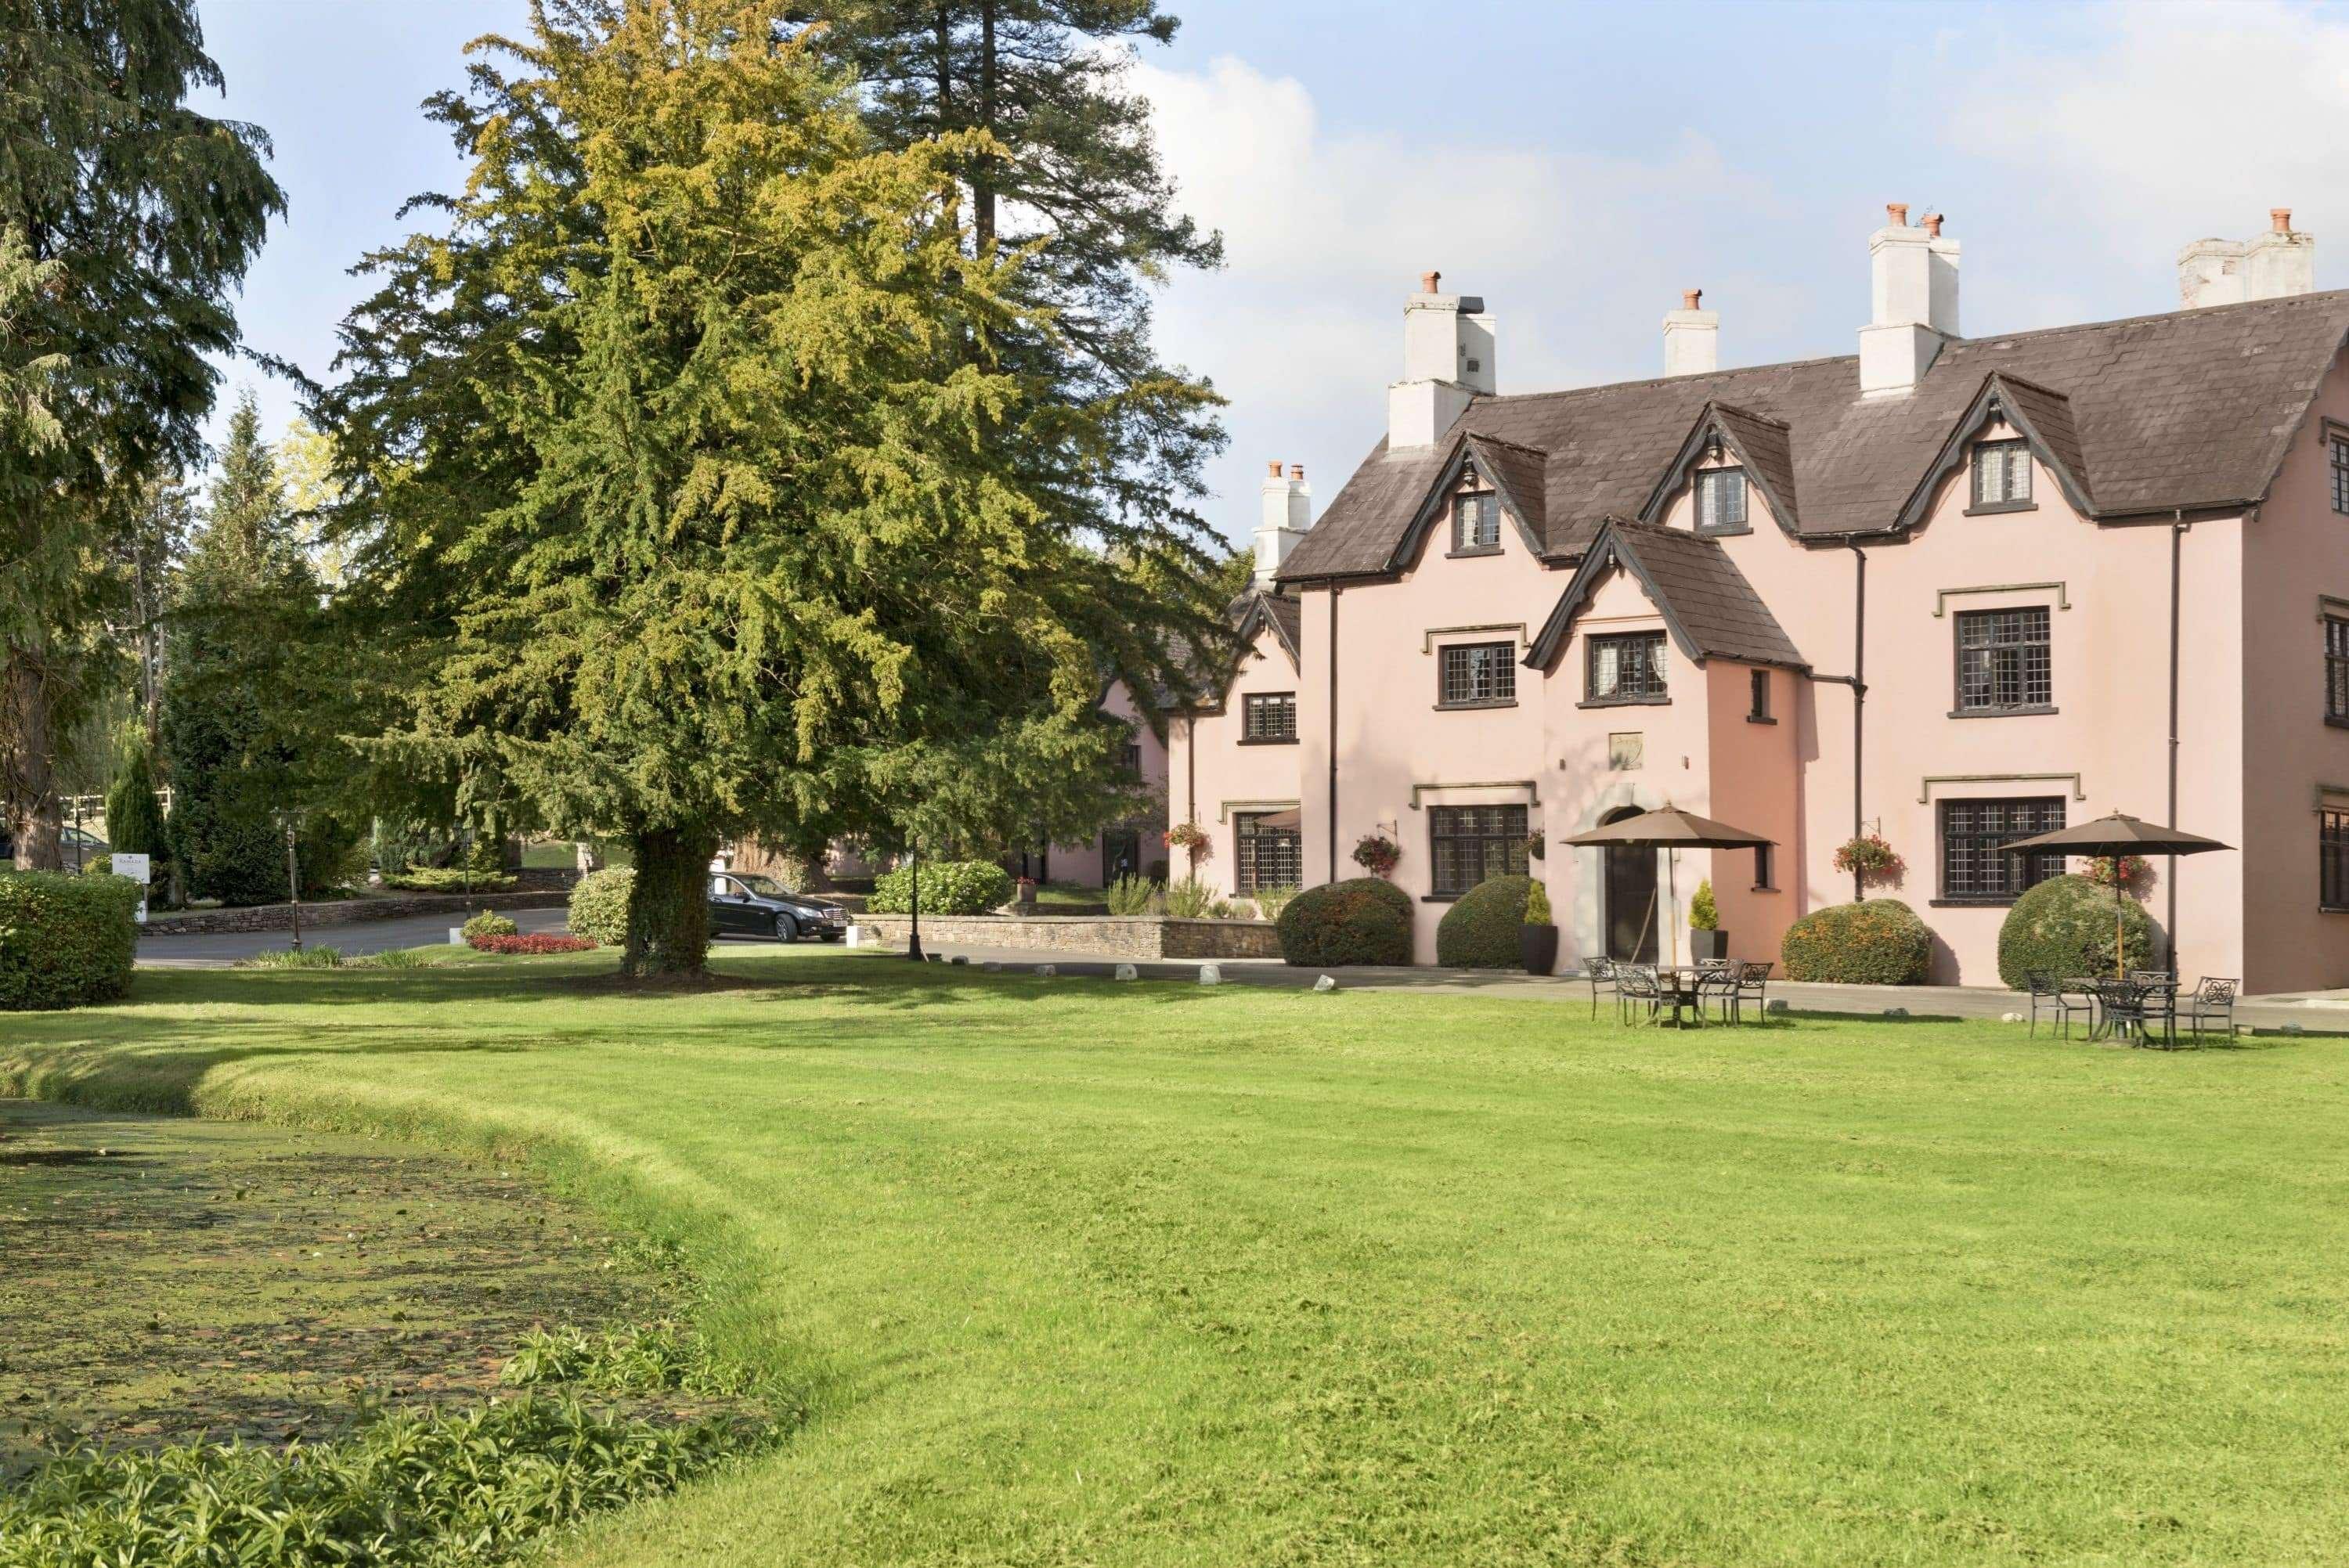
(1948, 590)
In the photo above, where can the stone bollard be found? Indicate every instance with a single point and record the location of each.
(992, 966)
(1128, 972)
(959, 958)
(1211, 974)
(2012, 1018)
(1777, 1005)
(2290, 1030)
(1046, 970)
(456, 936)
(1324, 984)
(1896, 1012)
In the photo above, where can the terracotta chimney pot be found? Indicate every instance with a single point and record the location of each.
(1897, 214)
(1933, 224)
(1297, 471)
(2279, 219)
(1689, 298)
(1427, 282)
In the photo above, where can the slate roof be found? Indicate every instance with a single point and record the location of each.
(1516, 471)
(1710, 608)
(2191, 409)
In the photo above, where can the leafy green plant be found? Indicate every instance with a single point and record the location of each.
(1131, 895)
(1191, 899)
(448, 879)
(409, 1489)
(2064, 926)
(1703, 913)
(1879, 943)
(1363, 920)
(1537, 906)
(640, 1358)
(489, 924)
(1271, 900)
(948, 887)
(65, 941)
(1480, 931)
(398, 958)
(599, 904)
(289, 958)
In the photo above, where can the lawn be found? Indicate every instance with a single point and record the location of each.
(1075, 1272)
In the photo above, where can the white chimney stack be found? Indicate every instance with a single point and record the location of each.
(1692, 338)
(1288, 513)
(2279, 263)
(1447, 359)
(1913, 293)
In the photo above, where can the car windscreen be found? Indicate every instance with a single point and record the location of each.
(765, 887)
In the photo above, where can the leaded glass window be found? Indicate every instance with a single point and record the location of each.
(1469, 843)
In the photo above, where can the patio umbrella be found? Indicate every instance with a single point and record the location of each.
(1671, 828)
(2115, 836)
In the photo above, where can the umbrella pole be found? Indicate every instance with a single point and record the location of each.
(2119, 971)
(1672, 887)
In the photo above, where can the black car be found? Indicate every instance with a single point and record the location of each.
(744, 904)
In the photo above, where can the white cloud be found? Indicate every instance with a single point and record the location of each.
(1326, 233)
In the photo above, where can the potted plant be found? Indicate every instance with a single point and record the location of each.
(1706, 939)
(1377, 854)
(1538, 943)
(1026, 897)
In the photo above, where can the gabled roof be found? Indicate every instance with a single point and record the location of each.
(1514, 471)
(1255, 611)
(2044, 418)
(1709, 607)
(2192, 408)
(1757, 441)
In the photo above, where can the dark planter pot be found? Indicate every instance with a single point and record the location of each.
(1704, 944)
(1537, 946)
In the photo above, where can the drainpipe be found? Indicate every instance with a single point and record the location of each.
(1859, 695)
(2178, 528)
(1191, 765)
(1334, 592)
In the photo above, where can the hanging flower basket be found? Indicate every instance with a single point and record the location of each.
(1191, 840)
(1870, 859)
(1534, 845)
(1377, 854)
(2134, 873)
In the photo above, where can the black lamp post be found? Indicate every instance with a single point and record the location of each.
(294, 882)
(914, 941)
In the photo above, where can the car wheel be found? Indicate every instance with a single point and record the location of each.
(786, 929)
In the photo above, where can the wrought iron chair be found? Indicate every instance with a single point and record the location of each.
(1752, 980)
(2061, 996)
(2157, 1001)
(2120, 1009)
(1601, 972)
(1636, 983)
(1716, 981)
(2212, 1003)
(2153, 977)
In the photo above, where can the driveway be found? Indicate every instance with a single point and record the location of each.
(218, 950)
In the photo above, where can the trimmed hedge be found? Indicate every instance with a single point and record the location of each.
(489, 923)
(599, 905)
(1364, 920)
(1879, 943)
(1483, 930)
(2064, 927)
(948, 887)
(65, 941)
(448, 879)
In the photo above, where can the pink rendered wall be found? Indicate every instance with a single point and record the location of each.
(1080, 864)
(1230, 775)
(1755, 777)
(2297, 551)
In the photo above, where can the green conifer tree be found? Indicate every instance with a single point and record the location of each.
(134, 816)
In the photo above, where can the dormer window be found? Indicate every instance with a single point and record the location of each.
(1475, 522)
(2002, 476)
(1720, 500)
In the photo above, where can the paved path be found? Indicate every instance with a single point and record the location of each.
(2315, 1012)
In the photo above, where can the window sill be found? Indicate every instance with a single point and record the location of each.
(1722, 532)
(1439, 898)
(1625, 702)
(1998, 506)
(2338, 721)
(1458, 706)
(1470, 554)
(1269, 741)
(1970, 902)
(1757, 887)
(2001, 711)
(1759, 718)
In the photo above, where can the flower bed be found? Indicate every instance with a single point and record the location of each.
(541, 941)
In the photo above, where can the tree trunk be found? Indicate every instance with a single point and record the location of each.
(32, 771)
(982, 184)
(669, 904)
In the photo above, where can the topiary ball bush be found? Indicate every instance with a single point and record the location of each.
(948, 887)
(1483, 929)
(599, 905)
(2064, 927)
(1364, 920)
(1879, 943)
(489, 923)
(65, 941)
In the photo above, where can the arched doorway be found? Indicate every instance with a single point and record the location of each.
(1630, 897)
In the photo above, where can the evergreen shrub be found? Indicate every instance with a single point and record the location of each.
(65, 941)
(2064, 927)
(599, 905)
(1879, 943)
(948, 887)
(1363, 920)
(1482, 930)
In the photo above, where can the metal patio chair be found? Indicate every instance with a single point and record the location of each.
(1636, 985)
(2061, 996)
(2212, 1004)
(1752, 980)
(1601, 972)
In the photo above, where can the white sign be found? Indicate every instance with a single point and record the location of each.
(138, 869)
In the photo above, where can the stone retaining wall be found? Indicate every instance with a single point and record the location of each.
(1122, 937)
(342, 911)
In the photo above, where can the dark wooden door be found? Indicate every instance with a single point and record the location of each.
(1121, 854)
(1631, 904)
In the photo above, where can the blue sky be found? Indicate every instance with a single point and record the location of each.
(1576, 165)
